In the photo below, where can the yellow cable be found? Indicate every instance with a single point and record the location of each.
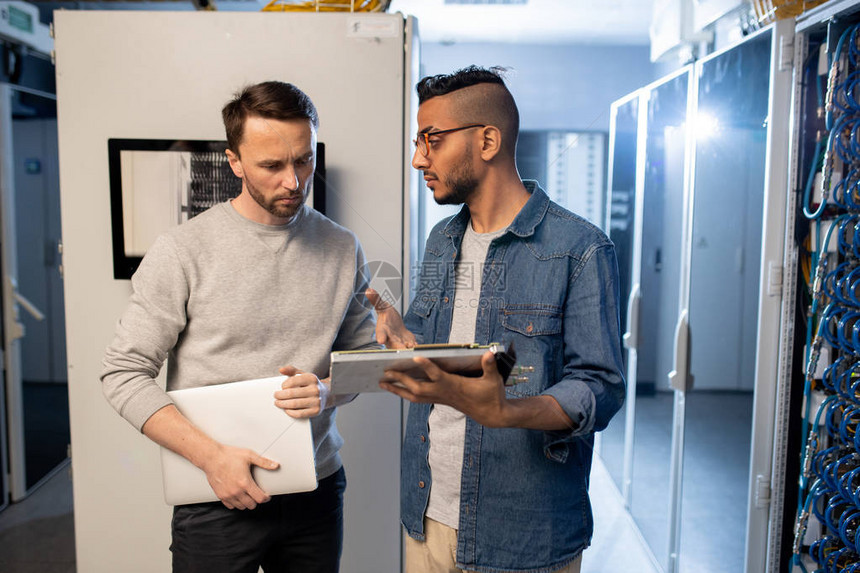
(327, 6)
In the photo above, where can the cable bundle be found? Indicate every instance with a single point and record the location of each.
(829, 485)
(327, 6)
(212, 181)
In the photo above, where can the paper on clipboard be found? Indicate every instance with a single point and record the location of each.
(241, 414)
(360, 371)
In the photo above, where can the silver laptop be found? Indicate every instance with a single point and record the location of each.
(241, 414)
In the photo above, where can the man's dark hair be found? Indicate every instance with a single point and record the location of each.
(443, 84)
(269, 100)
(479, 96)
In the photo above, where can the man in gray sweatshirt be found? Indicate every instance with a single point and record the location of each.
(254, 286)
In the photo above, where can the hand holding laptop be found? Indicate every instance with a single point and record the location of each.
(302, 394)
(238, 423)
(229, 475)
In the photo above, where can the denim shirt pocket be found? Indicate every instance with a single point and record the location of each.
(423, 305)
(418, 318)
(536, 333)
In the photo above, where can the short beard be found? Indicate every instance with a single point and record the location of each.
(282, 211)
(461, 182)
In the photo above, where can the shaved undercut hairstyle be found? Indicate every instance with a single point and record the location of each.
(269, 100)
(480, 96)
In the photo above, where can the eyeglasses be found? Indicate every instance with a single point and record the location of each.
(422, 142)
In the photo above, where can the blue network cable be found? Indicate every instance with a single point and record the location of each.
(831, 438)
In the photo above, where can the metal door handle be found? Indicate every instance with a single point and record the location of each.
(29, 306)
(631, 337)
(15, 326)
(680, 378)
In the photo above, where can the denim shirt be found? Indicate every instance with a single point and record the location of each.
(550, 286)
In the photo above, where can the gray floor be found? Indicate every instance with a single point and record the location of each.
(617, 544)
(37, 535)
(715, 482)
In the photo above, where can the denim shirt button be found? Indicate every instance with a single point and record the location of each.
(445, 299)
(421, 484)
(423, 438)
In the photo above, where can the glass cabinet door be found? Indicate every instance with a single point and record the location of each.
(35, 432)
(697, 213)
(659, 271)
(623, 134)
(728, 195)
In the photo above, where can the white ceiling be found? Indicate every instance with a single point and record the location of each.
(622, 22)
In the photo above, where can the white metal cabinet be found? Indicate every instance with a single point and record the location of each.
(163, 75)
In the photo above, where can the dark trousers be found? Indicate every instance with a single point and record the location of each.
(294, 533)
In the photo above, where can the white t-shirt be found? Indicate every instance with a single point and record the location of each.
(447, 425)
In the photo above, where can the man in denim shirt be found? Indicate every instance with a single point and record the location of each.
(495, 478)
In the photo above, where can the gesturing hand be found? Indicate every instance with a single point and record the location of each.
(390, 329)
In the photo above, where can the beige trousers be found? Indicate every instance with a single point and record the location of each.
(438, 552)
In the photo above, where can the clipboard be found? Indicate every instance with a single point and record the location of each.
(241, 414)
(357, 371)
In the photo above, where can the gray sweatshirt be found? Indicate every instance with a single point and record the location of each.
(225, 299)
